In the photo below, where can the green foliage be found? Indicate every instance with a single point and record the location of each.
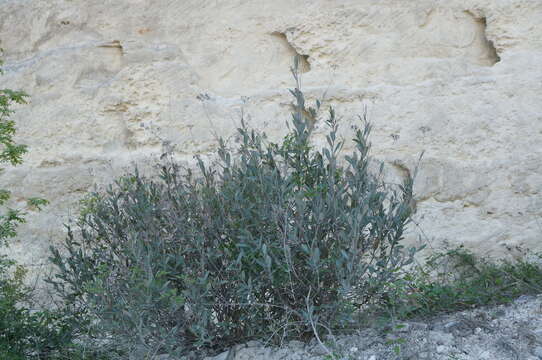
(272, 241)
(457, 280)
(34, 334)
(27, 334)
(11, 153)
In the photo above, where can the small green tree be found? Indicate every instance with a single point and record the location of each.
(11, 153)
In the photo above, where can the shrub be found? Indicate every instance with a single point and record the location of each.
(272, 241)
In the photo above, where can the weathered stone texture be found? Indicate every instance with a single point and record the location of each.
(113, 82)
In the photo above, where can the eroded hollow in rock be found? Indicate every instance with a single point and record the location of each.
(304, 65)
(489, 55)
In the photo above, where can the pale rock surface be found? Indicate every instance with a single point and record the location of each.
(115, 83)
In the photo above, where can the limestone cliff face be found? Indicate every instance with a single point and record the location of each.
(115, 82)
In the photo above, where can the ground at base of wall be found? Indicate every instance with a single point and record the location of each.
(505, 332)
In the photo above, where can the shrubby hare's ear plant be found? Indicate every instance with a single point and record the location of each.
(272, 241)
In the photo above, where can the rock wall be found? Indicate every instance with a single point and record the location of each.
(114, 83)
